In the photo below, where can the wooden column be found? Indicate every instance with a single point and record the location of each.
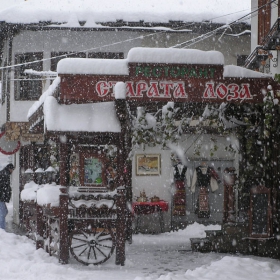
(120, 227)
(121, 111)
(63, 226)
(63, 203)
(64, 164)
(264, 19)
(40, 227)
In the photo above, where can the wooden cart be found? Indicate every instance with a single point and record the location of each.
(89, 225)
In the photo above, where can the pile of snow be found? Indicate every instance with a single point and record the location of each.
(29, 192)
(46, 194)
(93, 66)
(170, 55)
(49, 195)
(93, 11)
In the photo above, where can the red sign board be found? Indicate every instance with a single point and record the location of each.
(162, 82)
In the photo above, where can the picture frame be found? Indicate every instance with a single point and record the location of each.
(148, 164)
(92, 169)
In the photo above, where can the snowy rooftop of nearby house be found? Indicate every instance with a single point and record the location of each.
(94, 11)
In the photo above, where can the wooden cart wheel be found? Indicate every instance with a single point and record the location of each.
(93, 246)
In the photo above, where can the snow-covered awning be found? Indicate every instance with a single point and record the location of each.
(92, 117)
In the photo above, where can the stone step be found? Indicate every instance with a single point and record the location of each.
(203, 245)
(213, 233)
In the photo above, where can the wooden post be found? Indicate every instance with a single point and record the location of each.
(120, 226)
(63, 225)
(64, 164)
(124, 166)
(39, 227)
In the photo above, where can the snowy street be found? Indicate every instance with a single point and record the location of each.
(165, 256)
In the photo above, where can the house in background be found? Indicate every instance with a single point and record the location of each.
(265, 38)
(33, 41)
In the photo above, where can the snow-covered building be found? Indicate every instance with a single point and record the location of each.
(144, 123)
(35, 35)
(129, 108)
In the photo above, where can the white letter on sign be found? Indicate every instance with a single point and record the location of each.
(102, 89)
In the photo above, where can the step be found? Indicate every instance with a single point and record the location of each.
(213, 233)
(201, 245)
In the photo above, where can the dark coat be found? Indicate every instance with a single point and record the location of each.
(5, 188)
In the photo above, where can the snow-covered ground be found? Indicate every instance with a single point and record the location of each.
(165, 256)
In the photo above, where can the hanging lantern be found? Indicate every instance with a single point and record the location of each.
(50, 174)
(28, 175)
(39, 175)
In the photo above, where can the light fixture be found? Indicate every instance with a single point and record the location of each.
(39, 175)
(50, 174)
(28, 175)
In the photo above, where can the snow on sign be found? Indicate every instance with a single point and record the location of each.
(8, 147)
(182, 79)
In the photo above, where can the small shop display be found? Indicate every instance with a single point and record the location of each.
(204, 178)
(179, 197)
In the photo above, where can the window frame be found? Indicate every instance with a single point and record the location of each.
(26, 88)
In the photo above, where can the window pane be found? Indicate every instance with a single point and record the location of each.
(57, 56)
(106, 55)
(28, 87)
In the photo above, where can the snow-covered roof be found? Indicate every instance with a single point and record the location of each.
(91, 117)
(94, 11)
(171, 55)
(93, 66)
(241, 72)
(141, 55)
(49, 92)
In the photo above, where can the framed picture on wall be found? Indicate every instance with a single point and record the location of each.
(92, 171)
(147, 164)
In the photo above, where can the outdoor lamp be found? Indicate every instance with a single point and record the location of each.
(50, 174)
(28, 175)
(39, 175)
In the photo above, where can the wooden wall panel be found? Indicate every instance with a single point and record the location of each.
(264, 19)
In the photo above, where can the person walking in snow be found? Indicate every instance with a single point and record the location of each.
(5, 192)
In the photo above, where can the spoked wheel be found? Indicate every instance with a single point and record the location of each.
(93, 246)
